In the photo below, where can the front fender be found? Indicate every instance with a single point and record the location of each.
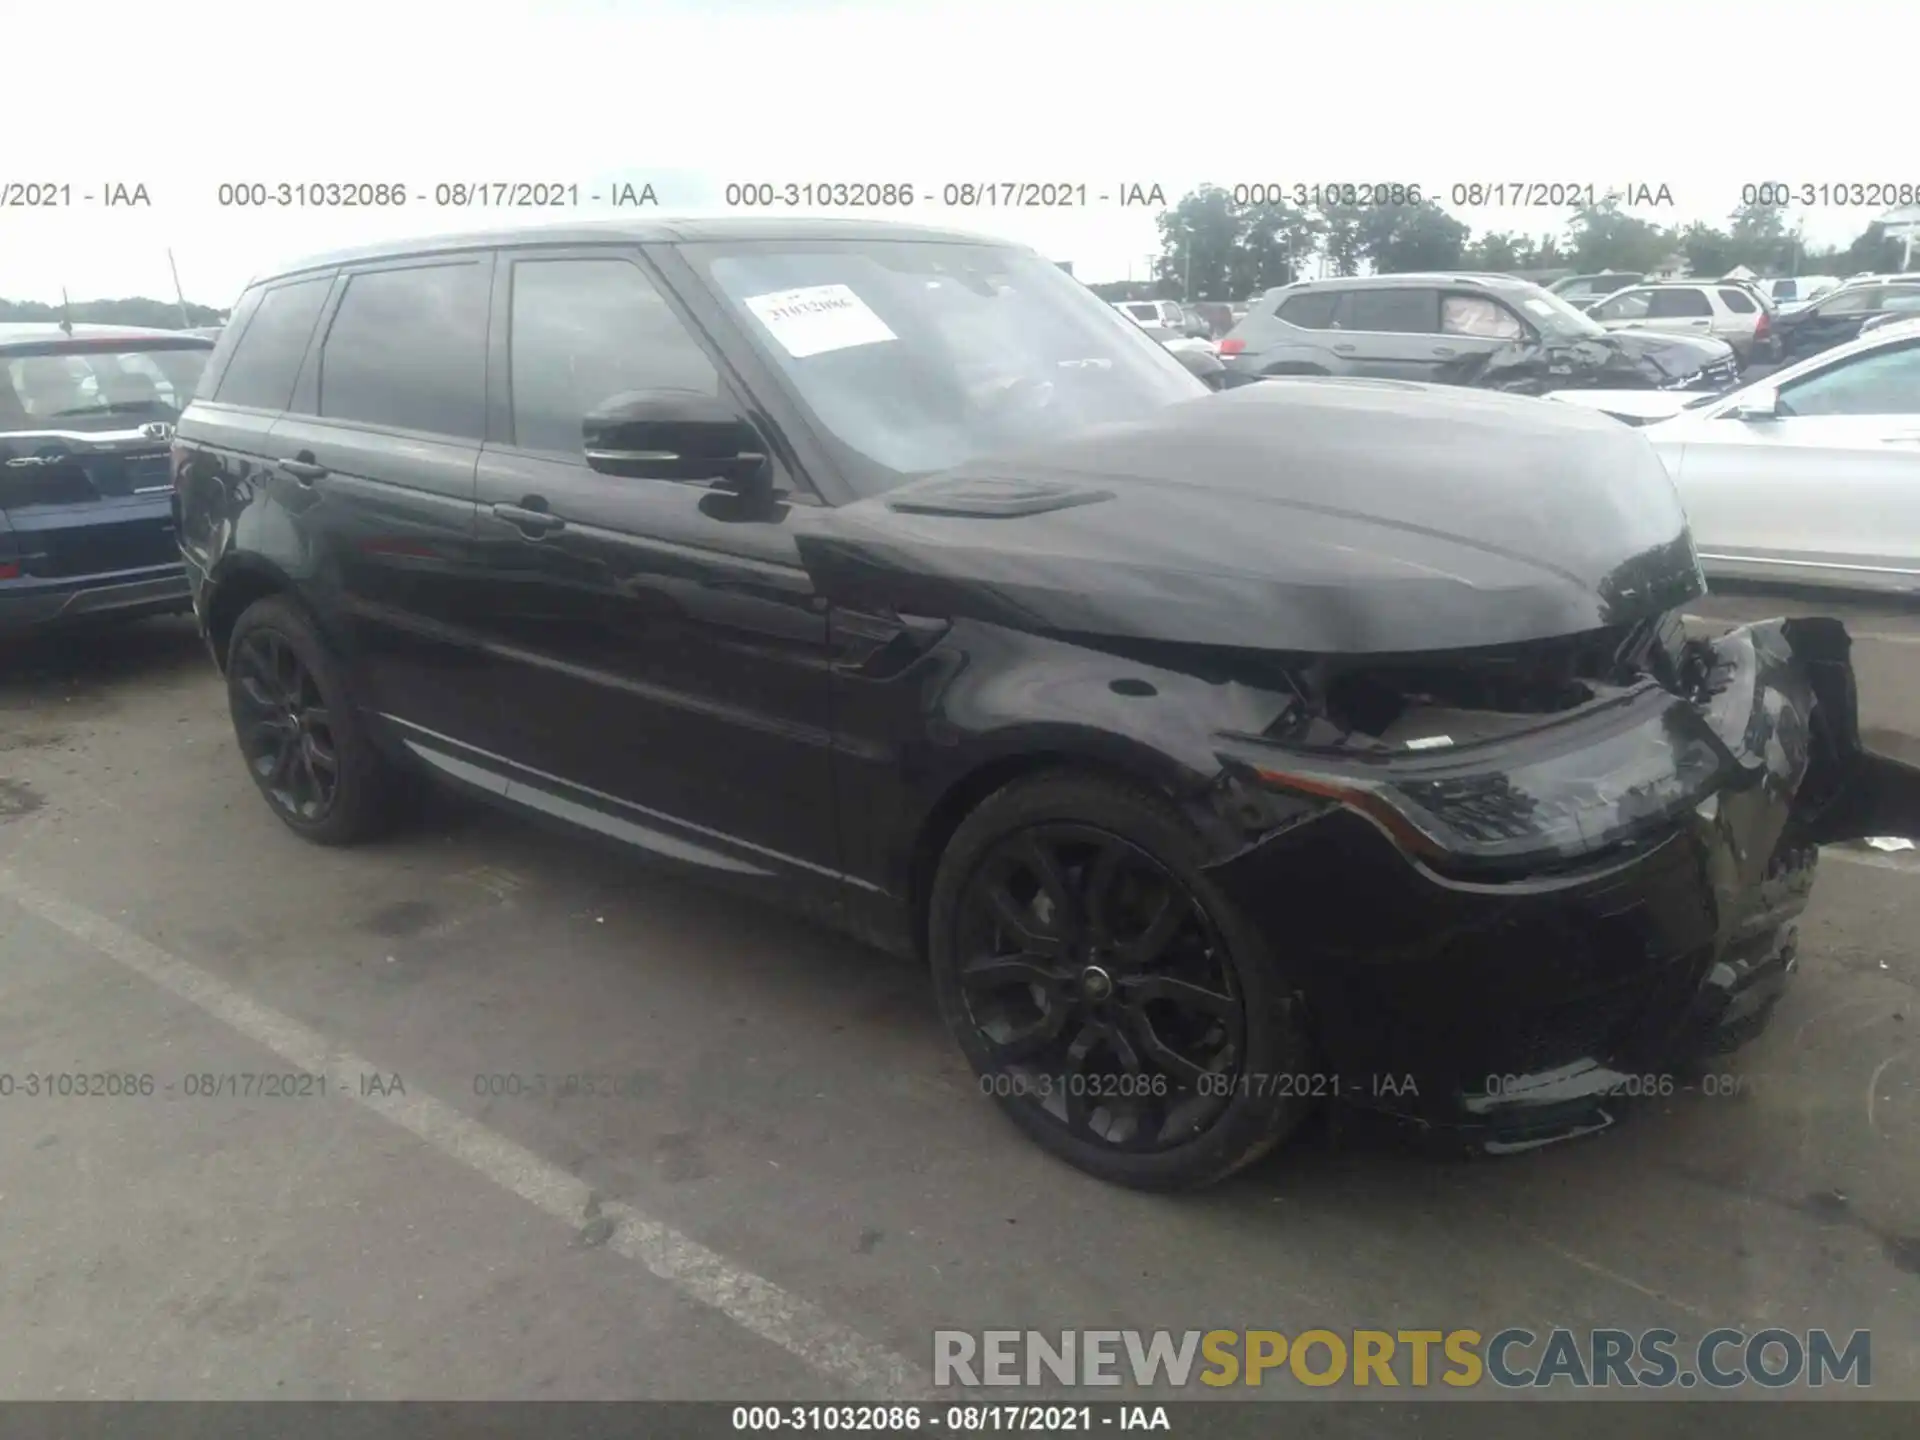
(1849, 792)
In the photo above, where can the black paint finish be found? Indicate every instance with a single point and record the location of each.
(804, 697)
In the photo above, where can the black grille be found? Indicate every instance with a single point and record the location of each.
(1718, 375)
(1577, 1030)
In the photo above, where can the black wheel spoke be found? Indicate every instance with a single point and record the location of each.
(256, 691)
(320, 755)
(1123, 1050)
(1035, 1039)
(1098, 889)
(1013, 970)
(1079, 1110)
(1023, 926)
(1146, 947)
(1044, 866)
(1176, 1065)
(1182, 993)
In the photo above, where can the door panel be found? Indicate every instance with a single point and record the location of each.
(1804, 493)
(389, 529)
(1391, 334)
(661, 648)
(374, 465)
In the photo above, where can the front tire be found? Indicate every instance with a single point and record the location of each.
(305, 744)
(1111, 999)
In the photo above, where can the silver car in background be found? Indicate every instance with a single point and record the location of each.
(1811, 476)
(1723, 309)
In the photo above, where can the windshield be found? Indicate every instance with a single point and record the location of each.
(1554, 315)
(915, 356)
(97, 389)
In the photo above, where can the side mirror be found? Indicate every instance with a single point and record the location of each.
(676, 435)
(1761, 403)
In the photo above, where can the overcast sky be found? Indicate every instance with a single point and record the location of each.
(184, 97)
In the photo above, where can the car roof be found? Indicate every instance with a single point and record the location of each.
(638, 232)
(41, 333)
(1412, 277)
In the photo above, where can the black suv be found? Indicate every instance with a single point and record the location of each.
(86, 522)
(1221, 753)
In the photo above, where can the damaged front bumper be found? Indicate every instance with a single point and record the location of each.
(1586, 911)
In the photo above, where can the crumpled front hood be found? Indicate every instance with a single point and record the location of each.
(1618, 360)
(1307, 515)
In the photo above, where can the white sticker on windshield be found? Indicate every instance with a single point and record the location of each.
(818, 318)
(1539, 306)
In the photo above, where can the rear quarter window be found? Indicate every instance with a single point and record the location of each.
(266, 358)
(1737, 301)
(1310, 312)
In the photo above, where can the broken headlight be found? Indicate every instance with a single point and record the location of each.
(1563, 791)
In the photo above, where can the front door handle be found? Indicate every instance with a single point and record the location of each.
(1443, 350)
(533, 523)
(303, 470)
(1343, 349)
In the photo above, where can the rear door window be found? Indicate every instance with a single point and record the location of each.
(1394, 312)
(408, 349)
(1479, 316)
(1628, 305)
(1312, 311)
(1861, 301)
(267, 360)
(1677, 305)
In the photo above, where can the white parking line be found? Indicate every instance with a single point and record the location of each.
(754, 1303)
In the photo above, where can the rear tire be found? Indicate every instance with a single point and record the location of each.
(1112, 1000)
(305, 743)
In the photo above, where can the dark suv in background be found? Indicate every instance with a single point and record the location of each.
(86, 418)
(1483, 330)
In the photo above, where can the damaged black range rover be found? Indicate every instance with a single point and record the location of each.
(1222, 753)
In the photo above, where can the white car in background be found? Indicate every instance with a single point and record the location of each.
(1810, 476)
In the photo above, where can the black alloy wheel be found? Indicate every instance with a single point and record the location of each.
(285, 727)
(305, 744)
(1098, 984)
(1109, 998)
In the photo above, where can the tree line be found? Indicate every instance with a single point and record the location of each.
(137, 311)
(1212, 248)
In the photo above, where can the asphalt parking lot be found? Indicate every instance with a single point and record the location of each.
(785, 1180)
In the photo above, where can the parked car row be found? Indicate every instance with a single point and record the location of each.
(1489, 331)
(1810, 476)
(86, 416)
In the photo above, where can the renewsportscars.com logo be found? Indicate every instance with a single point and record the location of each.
(1513, 1358)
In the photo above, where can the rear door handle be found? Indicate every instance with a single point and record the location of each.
(1343, 349)
(533, 523)
(305, 471)
(1443, 350)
